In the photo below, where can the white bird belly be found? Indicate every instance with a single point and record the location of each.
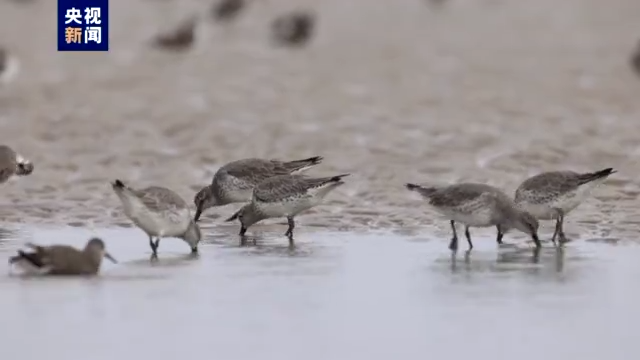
(285, 208)
(478, 218)
(162, 224)
(236, 196)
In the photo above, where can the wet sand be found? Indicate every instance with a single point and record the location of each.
(489, 91)
(337, 296)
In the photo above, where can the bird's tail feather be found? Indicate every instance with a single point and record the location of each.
(589, 177)
(297, 166)
(422, 190)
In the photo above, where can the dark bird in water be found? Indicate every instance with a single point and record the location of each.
(179, 39)
(62, 259)
(227, 10)
(293, 29)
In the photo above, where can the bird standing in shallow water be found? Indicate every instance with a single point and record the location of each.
(12, 163)
(552, 195)
(234, 182)
(63, 259)
(285, 196)
(478, 205)
(160, 213)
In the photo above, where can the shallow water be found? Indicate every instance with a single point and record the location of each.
(336, 296)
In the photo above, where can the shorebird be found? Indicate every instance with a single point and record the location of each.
(179, 39)
(9, 67)
(12, 163)
(635, 59)
(234, 182)
(293, 29)
(226, 10)
(285, 196)
(478, 205)
(160, 213)
(62, 259)
(552, 195)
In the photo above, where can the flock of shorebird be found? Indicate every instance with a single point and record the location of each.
(279, 189)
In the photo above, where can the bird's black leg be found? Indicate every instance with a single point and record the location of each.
(453, 245)
(558, 231)
(153, 245)
(292, 225)
(468, 235)
(562, 238)
(499, 236)
(243, 230)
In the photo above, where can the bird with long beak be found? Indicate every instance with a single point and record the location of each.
(62, 259)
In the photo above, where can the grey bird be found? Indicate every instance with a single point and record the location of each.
(179, 39)
(293, 29)
(552, 195)
(478, 205)
(160, 213)
(285, 196)
(234, 182)
(634, 61)
(12, 163)
(62, 259)
(227, 10)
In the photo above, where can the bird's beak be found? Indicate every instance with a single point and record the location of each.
(111, 258)
(24, 168)
(198, 212)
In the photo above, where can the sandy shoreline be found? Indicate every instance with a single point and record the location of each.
(391, 94)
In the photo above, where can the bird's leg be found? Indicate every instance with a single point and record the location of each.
(562, 239)
(558, 231)
(500, 235)
(292, 225)
(453, 245)
(154, 248)
(152, 244)
(468, 235)
(535, 258)
(243, 230)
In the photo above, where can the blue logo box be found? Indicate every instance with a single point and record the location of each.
(83, 25)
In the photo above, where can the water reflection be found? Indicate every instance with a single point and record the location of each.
(334, 288)
(510, 258)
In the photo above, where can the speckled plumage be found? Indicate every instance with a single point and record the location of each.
(477, 205)
(234, 182)
(285, 196)
(160, 213)
(62, 259)
(552, 195)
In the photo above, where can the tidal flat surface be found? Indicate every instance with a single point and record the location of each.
(338, 296)
(390, 91)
